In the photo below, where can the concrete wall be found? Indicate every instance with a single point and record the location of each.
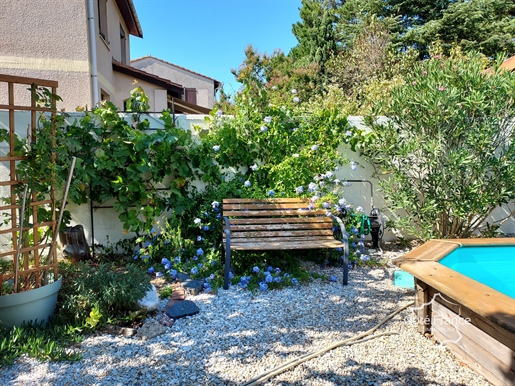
(204, 86)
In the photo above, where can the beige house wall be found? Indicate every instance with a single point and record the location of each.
(205, 87)
(50, 40)
(125, 84)
(47, 40)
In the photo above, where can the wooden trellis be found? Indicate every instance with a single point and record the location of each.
(37, 260)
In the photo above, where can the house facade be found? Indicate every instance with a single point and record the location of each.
(85, 46)
(198, 89)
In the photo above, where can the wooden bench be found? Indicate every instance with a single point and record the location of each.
(278, 224)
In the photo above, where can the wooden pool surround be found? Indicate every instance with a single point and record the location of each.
(486, 316)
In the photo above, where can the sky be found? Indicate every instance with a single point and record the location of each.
(210, 36)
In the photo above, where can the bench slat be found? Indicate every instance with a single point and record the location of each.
(277, 245)
(292, 233)
(270, 213)
(282, 226)
(266, 206)
(279, 220)
(271, 200)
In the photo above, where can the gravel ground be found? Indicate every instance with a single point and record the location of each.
(237, 336)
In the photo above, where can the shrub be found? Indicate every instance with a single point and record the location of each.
(445, 153)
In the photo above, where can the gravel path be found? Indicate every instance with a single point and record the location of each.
(237, 336)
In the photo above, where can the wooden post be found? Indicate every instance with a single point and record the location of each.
(76, 247)
(422, 307)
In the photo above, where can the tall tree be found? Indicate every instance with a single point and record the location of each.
(315, 32)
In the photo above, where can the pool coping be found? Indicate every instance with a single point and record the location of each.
(423, 263)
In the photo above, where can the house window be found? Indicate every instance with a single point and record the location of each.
(102, 19)
(123, 45)
(103, 95)
(191, 95)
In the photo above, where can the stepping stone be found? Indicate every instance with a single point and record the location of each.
(193, 287)
(182, 309)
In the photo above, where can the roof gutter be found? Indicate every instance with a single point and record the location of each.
(93, 55)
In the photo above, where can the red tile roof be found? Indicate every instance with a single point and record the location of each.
(509, 64)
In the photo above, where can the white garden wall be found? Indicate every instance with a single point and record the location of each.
(104, 224)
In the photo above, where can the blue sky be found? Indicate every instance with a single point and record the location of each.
(209, 36)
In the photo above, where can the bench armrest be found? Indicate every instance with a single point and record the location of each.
(345, 241)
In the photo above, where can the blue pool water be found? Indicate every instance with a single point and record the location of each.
(492, 266)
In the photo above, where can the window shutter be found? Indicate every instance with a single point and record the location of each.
(191, 95)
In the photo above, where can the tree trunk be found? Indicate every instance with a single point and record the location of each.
(76, 247)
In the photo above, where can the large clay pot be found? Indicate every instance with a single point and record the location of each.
(35, 305)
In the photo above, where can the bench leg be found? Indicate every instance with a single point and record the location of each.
(227, 267)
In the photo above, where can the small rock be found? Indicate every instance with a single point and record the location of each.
(150, 330)
(193, 287)
(166, 321)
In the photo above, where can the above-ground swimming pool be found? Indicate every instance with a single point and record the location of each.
(465, 298)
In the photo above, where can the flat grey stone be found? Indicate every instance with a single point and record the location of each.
(182, 309)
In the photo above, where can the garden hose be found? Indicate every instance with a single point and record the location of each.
(363, 337)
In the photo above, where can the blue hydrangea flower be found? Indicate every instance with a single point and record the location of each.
(216, 148)
(151, 270)
(263, 129)
(312, 187)
(195, 257)
(326, 205)
(269, 268)
(329, 174)
(215, 204)
(286, 275)
(211, 277)
(359, 209)
(263, 287)
(219, 112)
(278, 279)
(296, 100)
(147, 244)
(294, 281)
(271, 193)
(206, 228)
(200, 238)
(333, 278)
(177, 259)
(269, 278)
(247, 184)
(159, 274)
(200, 265)
(145, 257)
(200, 252)
(194, 271)
(278, 270)
(342, 201)
(218, 215)
(268, 119)
(231, 275)
(294, 91)
(173, 273)
(197, 221)
(167, 266)
(314, 147)
(254, 167)
(256, 269)
(164, 261)
(354, 230)
(365, 257)
(348, 133)
(299, 189)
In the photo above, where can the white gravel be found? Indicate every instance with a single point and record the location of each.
(237, 336)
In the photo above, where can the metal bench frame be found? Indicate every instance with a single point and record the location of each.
(278, 224)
